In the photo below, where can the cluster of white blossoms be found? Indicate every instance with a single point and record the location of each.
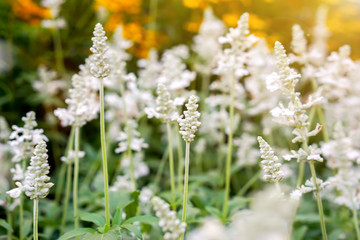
(340, 152)
(246, 154)
(270, 163)
(189, 123)
(269, 217)
(99, 66)
(309, 186)
(149, 69)
(23, 139)
(206, 43)
(55, 21)
(233, 59)
(122, 183)
(285, 79)
(137, 143)
(70, 158)
(48, 84)
(165, 109)
(82, 103)
(173, 73)
(211, 229)
(141, 168)
(17, 172)
(36, 182)
(117, 60)
(168, 221)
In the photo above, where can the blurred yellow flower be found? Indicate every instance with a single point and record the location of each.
(29, 11)
(231, 19)
(195, 3)
(192, 26)
(132, 6)
(256, 23)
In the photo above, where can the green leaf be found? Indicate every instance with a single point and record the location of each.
(299, 234)
(5, 225)
(131, 208)
(213, 211)
(94, 218)
(133, 229)
(76, 232)
(143, 219)
(118, 217)
(113, 234)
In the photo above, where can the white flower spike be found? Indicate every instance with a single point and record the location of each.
(190, 124)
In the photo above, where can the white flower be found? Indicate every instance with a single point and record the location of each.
(270, 163)
(23, 139)
(174, 74)
(136, 143)
(99, 66)
(54, 23)
(189, 123)
(165, 108)
(140, 167)
(233, 59)
(206, 43)
(149, 69)
(286, 77)
(54, 6)
(122, 183)
(18, 173)
(296, 194)
(48, 82)
(168, 221)
(211, 229)
(71, 156)
(82, 103)
(298, 42)
(14, 193)
(36, 183)
(145, 195)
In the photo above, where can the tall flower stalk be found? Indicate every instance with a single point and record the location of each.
(76, 177)
(100, 69)
(166, 111)
(189, 124)
(36, 183)
(294, 114)
(231, 67)
(22, 142)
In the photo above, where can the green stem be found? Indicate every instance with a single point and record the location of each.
(59, 186)
(58, 51)
(76, 178)
(21, 208)
(35, 220)
(301, 174)
(171, 165)
(161, 168)
(103, 150)
(67, 196)
(128, 133)
(199, 157)
(180, 158)
(249, 183)
(186, 181)
(205, 87)
(9, 220)
(323, 123)
(229, 151)
(153, 12)
(319, 202)
(356, 223)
